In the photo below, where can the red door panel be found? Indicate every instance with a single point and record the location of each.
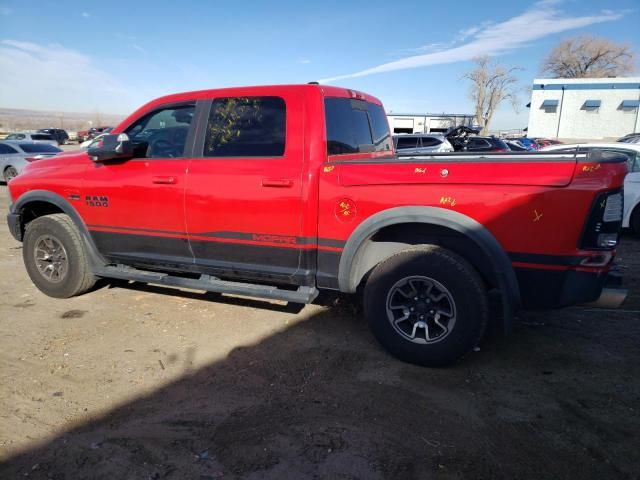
(244, 213)
(131, 215)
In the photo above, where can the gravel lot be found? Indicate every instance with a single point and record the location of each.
(132, 381)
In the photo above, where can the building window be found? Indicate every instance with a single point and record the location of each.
(592, 106)
(550, 106)
(630, 106)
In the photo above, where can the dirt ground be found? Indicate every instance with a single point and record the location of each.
(140, 382)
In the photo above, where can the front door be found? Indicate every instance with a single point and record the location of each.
(134, 209)
(244, 190)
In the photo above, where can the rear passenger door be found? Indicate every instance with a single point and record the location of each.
(244, 189)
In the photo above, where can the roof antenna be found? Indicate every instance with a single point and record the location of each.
(313, 83)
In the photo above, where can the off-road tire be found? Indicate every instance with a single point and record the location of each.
(465, 288)
(78, 277)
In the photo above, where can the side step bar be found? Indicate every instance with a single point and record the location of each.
(209, 284)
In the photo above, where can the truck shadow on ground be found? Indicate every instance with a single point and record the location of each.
(320, 399)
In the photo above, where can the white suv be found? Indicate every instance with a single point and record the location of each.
(418, 143)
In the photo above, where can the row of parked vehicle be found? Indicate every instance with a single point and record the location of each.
(465, 139)
(57, 136)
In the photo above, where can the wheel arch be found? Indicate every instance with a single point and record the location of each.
(395, 229)
(37, 203)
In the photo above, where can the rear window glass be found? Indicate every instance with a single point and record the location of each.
(246, 127)
(39, 148)
(355, 126)
(380, 127)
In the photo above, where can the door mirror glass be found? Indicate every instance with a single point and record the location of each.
(111, 147)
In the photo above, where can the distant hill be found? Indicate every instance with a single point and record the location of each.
(13, 119)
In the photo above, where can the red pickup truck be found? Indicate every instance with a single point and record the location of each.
(282, 191)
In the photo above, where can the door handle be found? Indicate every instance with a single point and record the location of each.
(277, 182)
(164, 180)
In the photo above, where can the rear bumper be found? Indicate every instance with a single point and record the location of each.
(546, 289)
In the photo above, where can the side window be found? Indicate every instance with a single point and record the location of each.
(430, 142)
(407, 142)
(6, 149)
(246, 127)
(162, 133)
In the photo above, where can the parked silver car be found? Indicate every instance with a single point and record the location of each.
(14, 155)
(32, 137)
(418, 143)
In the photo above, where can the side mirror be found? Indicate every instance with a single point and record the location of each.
(112, 147)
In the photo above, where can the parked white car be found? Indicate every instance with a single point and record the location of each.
(32, 137)
(631, 217)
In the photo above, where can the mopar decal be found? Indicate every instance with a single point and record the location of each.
(273, 238)
(96, 200)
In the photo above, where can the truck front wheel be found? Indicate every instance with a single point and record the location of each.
(426, 305)
(55, 258)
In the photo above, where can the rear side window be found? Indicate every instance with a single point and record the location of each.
(246, 127)
(407, 142)
(430, 142)
(39, 148)
(6, 149)
(355, 126)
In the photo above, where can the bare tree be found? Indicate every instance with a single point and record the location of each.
(491, 84)
(589, 57)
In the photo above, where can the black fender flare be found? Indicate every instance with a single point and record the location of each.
(93, 254)
(349, 277)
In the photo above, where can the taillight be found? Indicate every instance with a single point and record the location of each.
(603, 225)
(357, 95)
(35, 157)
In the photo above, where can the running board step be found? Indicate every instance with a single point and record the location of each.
(210, 284)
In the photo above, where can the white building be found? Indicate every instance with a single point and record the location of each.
(427, 122)
(584, 108)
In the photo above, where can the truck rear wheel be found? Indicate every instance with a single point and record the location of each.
(426, 305)
(55, 258)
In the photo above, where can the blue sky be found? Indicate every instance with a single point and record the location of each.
(110, 57)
